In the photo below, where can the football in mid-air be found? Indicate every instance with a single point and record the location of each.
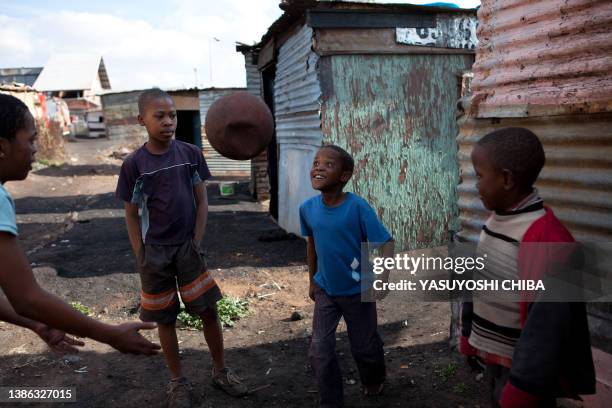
(239, 125)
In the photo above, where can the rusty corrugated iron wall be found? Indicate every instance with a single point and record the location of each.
(547, 66)
(543, 57)
(298, 124)
(576, 181)
(396, 115)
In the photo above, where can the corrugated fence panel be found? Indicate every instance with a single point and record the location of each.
(543, 57)
(576, 181)
(218, 164)
(298, 124)
(546, 66)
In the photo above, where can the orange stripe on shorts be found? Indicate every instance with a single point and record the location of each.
(199, 286)
(158, 301)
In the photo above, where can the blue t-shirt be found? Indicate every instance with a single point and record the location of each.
(338, 233)
(8, 221)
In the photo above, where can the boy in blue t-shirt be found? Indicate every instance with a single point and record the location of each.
(335, 224)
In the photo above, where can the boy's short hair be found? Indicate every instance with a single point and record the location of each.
(13, 116)
(148, 95)
(518, 150)
(348, 164)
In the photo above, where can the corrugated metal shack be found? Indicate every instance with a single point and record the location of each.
(120, 110)
(219, 165)
(546, 66)
(121, 115)
(380, 80)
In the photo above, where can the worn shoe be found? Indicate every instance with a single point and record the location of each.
(229, 382)
(179, 393)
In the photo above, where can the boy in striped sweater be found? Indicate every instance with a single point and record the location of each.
(533, 351)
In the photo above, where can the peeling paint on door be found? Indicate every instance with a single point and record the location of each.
(395, 115)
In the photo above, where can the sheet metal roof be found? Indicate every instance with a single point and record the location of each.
(22, 75)
(72, 72)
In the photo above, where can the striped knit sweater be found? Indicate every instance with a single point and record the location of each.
(549, 350)
(496, 326)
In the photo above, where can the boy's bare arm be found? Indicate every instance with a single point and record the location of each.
(8, 314)
(199, 192)
(29, 300)
(55, 339)
(132, 221)
(311, 255)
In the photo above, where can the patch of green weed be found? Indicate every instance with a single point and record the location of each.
(447, 371)
(229, 309)
(460, 388)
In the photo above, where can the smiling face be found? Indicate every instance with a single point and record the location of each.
(159, 118)
(17, 154)
(494, 184)
(327, 172)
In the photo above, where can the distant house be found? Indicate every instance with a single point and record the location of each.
(74, 76)
(79, 79)
(25, 76)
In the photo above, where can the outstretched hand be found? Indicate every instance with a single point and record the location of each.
(58, 341)
(127, 339)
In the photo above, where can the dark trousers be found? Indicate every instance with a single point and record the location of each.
(497, 376)
(366, 344)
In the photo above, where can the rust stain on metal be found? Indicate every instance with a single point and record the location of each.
(402, 175)
(560, 88)
(546, 57)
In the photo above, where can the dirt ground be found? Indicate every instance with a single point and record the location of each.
(73, 230)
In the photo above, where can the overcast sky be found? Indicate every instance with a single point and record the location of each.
(144, 43)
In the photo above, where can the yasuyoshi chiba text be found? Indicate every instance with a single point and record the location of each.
(459, 285)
